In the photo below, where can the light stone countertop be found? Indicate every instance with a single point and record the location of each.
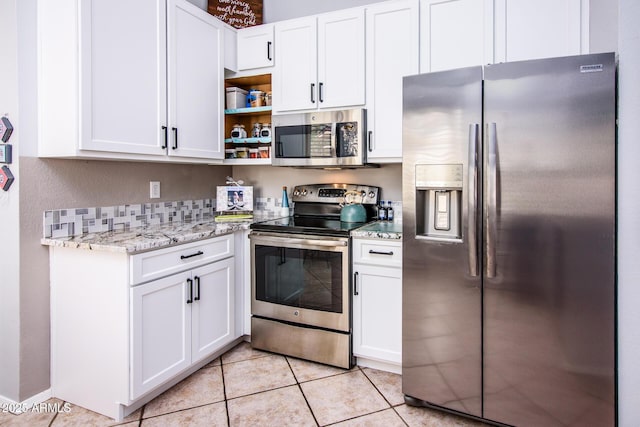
(379, 230)
(150, 237)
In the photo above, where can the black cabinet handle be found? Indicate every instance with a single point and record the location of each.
(190, 282)
(197, 279)
(369, 141)
(175, 140)
(192, 255)
(269, 51)
(371, 251)
(164, 146)
(320, 92)
(313, 89)
(355, 283)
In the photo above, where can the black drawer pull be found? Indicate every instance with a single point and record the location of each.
(355, 283)
(175, 141)
(190, 299)
(371, 251)
(197, 280)
(164, 146)
(192, 255)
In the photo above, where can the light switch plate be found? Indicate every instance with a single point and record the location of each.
(154, 189)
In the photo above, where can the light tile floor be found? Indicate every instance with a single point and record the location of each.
(247, 387)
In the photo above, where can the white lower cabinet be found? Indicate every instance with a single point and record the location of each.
(137, 324)
(377, 303)
(192, 314)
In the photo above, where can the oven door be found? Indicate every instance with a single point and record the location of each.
(301, 279)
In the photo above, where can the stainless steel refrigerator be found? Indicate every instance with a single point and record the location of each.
(509, 241)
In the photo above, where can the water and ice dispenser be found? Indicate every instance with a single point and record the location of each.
(439, 201)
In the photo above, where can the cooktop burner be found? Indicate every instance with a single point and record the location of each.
(308, 225)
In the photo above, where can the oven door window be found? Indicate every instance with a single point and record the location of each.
(301, 278)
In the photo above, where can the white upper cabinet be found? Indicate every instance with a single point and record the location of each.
(540, 29)
(117, 73)
(392, 53)
(196, 81)
(320, 62)
(341, 59)
(255, 47)
(123, 84)
(461, 33)
(455, 34)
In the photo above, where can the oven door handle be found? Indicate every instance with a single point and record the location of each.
(305, 242)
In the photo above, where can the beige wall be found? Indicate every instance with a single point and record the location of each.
(52, 184)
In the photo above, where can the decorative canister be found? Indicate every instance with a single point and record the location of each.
(238, 131)
(230, 153)
(267, 98)
(265, 130)
(253, 153)
(242, 153)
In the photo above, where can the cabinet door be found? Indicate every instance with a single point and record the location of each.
(455, 34)
(212, 309)
(392, 53)
(255, 47)
(196, 82)
(123, 76)
(295, 73)
(160, 332)
(540, 29)
(341, 59)
(377, 313)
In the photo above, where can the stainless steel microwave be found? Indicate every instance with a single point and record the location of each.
(320, 139)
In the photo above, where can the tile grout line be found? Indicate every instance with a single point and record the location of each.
(301, 391)
(393, 407)
(224, 392)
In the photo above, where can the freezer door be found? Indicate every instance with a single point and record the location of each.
(441, 329)
(549, 201)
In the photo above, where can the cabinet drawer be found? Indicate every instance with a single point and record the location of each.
(377, 252)
(163, 262)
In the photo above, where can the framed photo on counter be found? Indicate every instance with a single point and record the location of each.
(234, 198)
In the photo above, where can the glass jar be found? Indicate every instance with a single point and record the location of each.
(255, 132)
(238, 131)
(265, 131)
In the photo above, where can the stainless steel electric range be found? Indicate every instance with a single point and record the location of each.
(301, 279)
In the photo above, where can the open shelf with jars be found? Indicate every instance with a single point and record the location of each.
(248, 124)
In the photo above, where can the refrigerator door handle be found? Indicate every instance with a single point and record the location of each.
(491, 218)
(472, 198)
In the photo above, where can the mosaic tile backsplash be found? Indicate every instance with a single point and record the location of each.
(62, 223)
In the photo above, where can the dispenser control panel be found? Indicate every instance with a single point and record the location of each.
(439, 201)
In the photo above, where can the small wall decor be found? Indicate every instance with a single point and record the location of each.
(237, 13)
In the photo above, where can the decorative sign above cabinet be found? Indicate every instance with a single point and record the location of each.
(237, 13)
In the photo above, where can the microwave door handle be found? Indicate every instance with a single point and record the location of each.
(335, 141)
(279, 149)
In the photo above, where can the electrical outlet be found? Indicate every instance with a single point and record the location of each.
(154, 189)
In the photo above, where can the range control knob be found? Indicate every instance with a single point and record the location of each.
(304, 191)
(372, 194)
(296, 192)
